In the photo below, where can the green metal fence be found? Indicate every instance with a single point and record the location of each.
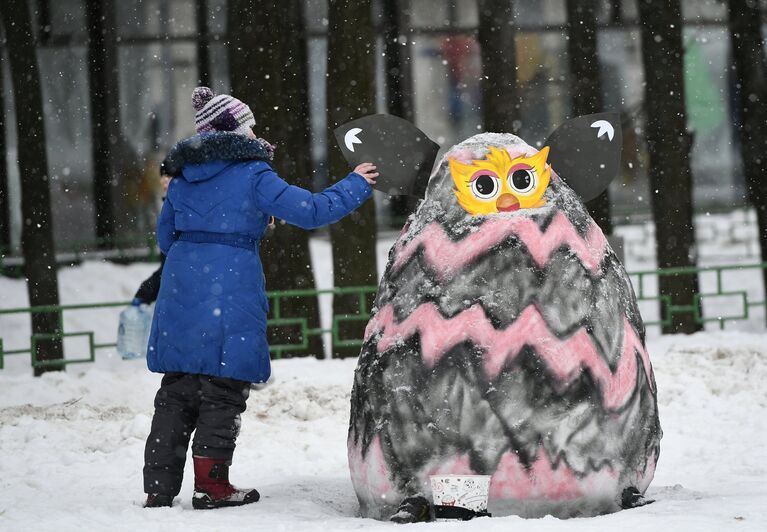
(713, 285)
(708, 276)
(276, 320)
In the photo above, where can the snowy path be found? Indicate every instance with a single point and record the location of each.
(71, 448)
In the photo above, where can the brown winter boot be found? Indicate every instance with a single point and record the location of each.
(212, 488)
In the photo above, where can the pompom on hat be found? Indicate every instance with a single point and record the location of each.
(220, 113)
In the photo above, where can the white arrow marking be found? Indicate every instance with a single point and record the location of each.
(604, 127)
(350, 139)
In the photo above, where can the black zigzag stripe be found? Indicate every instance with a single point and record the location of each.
(567, 295)
(459, 229)
(512, 241)
(453, 409)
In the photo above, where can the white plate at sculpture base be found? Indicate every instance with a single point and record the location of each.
(464, 491)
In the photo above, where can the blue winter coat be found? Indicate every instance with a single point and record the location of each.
(210, 315)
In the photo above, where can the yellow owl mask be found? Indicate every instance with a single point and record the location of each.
(500, 183)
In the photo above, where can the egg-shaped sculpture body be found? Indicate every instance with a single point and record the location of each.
(506, 344)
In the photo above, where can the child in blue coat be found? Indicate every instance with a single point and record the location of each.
(209, 329)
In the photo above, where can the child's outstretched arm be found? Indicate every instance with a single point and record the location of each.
(308, 210)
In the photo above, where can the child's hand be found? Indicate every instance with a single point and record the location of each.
(368, 171)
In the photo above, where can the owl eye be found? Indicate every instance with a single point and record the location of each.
(485, 186)
(523, 180)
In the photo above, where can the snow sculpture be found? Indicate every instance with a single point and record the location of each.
(506, 339)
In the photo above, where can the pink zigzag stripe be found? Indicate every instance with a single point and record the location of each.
(370, 472)
(447, 258)
(565, 358)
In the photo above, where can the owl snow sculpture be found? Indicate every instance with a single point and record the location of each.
(506, 338)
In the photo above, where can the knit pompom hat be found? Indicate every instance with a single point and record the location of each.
(220, 113)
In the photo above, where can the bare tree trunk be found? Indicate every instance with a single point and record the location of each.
(399, 86)
(668, 146)
(350, 94)
(203, 38)
(616, 12)
(44, 21)
(500, 98)
(103, 101)
(586, 84)
(399, 83)
(5, 203)
(270, 73)
(751, 71)
(37, 230)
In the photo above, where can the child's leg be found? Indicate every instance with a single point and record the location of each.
(222, 401)
(176, 408)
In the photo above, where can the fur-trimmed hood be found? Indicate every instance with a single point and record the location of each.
(221, 146)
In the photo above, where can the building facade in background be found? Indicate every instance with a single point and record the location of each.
(157, 51)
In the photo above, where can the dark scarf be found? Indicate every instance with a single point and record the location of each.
(223, 145)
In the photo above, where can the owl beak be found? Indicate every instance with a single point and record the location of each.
(507, 203)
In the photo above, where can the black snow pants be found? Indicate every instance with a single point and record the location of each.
(184, 403)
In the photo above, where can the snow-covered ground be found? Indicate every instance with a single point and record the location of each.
(71, 449)
(71, 444)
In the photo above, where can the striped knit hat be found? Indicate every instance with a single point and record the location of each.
(220, 113)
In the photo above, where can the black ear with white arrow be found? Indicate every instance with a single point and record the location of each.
(403, 154)
(586, 152)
